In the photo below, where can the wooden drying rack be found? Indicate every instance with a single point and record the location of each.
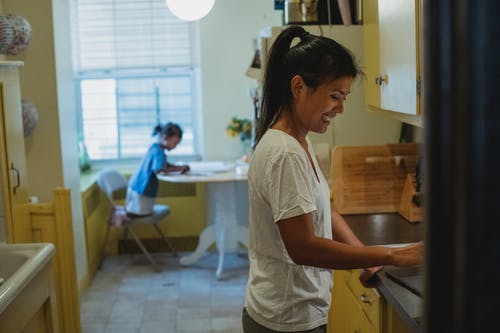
(371, 179)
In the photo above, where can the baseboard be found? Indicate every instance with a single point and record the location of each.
(157, 245)
(84, 283)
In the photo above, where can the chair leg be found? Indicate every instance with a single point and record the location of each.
(165, 240)
(124, 238)
(146, 253)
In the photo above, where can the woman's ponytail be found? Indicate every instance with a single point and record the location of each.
(316, 59)
(275, 90)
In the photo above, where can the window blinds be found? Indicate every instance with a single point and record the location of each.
(124, 34)
(134, 66)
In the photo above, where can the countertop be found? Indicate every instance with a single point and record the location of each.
(391, 228)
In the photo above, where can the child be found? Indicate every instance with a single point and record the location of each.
(143, 186)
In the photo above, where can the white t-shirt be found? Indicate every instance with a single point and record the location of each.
(282, 295)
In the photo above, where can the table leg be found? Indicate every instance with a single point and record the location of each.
(225, 232)
(220, 248)
(207, 238)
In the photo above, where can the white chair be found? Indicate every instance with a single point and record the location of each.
(111, 181)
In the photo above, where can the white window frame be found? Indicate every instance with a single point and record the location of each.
(148, 72)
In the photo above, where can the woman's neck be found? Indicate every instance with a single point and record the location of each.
(289, 125)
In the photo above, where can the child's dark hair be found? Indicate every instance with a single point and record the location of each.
(169, 129)
(316, 59)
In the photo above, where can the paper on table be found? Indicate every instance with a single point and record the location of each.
(210, 167)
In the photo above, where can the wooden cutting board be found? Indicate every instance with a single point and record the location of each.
(370, 179)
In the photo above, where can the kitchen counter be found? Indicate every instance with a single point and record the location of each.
(373, 229)
(390, 228)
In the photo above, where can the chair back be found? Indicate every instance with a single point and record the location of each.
(110, 181)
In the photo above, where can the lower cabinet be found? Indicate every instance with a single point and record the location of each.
(355, 309)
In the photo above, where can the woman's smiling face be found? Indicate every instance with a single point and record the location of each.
(315, 108)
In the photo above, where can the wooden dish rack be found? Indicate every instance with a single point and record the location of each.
(371, 179)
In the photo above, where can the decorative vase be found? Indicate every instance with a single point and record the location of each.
(83, 157)
(246, 145)
(6, 34)
(17, 30)
(30, 117)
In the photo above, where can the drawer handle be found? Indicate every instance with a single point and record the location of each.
(18, 180)
(365, 299)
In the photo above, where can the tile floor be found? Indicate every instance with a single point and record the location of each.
(128, 296)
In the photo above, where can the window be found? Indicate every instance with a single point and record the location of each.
(135, 65)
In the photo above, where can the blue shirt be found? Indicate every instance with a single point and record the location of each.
(144, 180)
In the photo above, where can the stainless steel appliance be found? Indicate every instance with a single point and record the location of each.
(301, 12)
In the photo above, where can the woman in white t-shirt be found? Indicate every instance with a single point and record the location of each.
(295, 238)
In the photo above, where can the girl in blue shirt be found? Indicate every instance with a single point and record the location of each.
(143, 185)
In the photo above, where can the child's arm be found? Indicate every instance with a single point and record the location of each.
(174, 168)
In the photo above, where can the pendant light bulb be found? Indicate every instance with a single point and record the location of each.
(190, 10)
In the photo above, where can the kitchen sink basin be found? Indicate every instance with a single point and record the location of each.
(19, 265)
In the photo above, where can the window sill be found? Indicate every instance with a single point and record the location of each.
(127, 167)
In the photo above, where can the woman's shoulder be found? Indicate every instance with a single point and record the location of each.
(277, 146)
(278, 142)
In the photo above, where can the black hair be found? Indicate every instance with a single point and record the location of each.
(316, 59)
(169, 129)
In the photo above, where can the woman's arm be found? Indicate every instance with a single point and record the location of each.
(342, 232)
(304, 248)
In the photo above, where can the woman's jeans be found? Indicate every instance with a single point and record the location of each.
(251, 326)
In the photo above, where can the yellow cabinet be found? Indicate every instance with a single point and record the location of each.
(392, 57)
(14, 201)
(394, 323)
(354, 308)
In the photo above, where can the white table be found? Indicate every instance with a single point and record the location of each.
(221, 179)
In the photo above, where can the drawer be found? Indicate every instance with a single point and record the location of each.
(369, 299)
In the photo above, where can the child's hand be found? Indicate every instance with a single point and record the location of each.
(184, 169)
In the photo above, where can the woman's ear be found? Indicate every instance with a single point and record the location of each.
(297, 84)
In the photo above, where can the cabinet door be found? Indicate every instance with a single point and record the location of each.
(398, 22)
(371, 59)
(346, 314)
(351, 318)
(13, 158)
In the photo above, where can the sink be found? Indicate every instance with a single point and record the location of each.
(19, 265)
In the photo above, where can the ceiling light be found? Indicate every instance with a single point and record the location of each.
(190, 10)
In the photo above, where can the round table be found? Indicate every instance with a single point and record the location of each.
(225, 232)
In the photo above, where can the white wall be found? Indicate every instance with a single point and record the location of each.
(46, 80)
(68, 128)
(226, 35)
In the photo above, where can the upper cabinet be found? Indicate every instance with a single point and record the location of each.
(392, 58)
(14, 199)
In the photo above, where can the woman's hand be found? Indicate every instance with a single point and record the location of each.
(410, 255)
(366, 275)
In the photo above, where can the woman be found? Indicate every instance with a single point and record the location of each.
(143, 186)
(295, 239)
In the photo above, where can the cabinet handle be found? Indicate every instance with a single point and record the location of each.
(365, 299)
(381, 79)
(18, 179)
